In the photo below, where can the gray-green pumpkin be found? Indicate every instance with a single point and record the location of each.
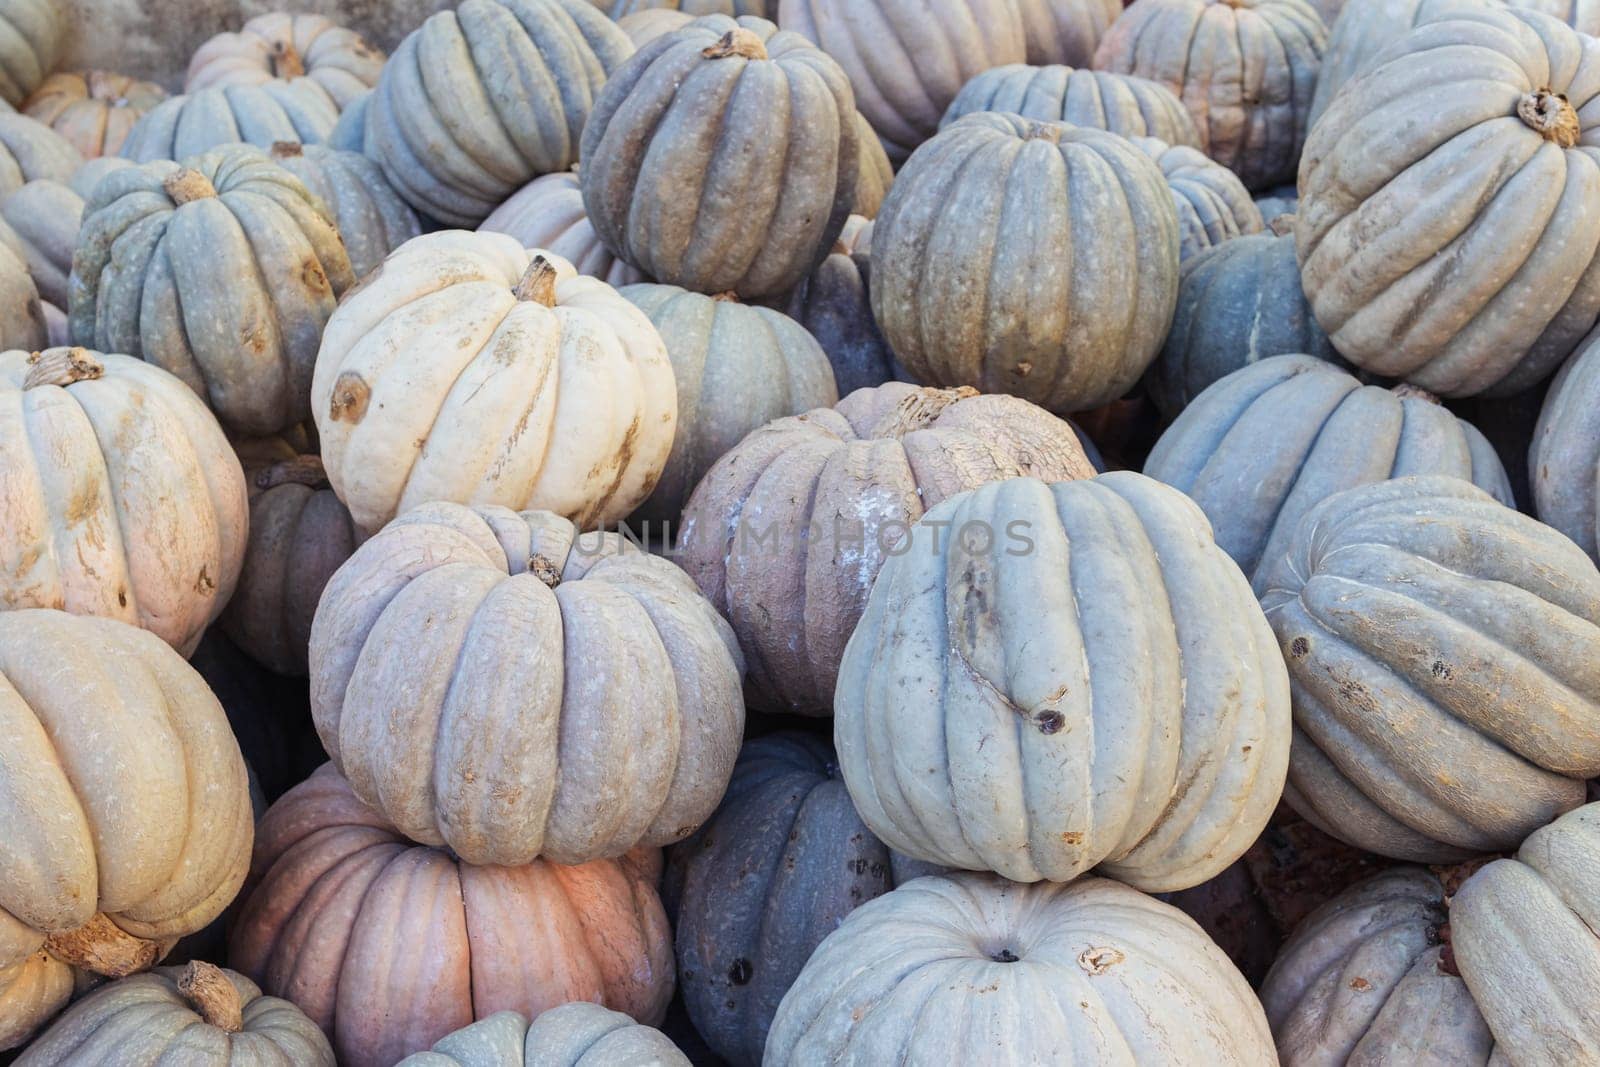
(738, 367)
(87, 176)
(222, 271)
(576, 1034)
(834, 304)
(1213, 204)
(31, 35)
(723, 156)
(480, 100)
(1265, 444)
(31, 150)
(261, 115)
(45, 216)
(1364, 29)
(1026, 257)
(371, 217)
(1441, 649)
(1117, 103)
(1564, 457)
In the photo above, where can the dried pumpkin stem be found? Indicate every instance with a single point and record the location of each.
(544, 569)
(210, 993)
(185, 185)
(920, 409)
(302, 470)
(538, 283)
(726, 297)
(287, 149)
(1406, 389)
(1045, 131)
(103, 947)
(61, 366)
(737, 42)
(285, 61)
(1551, 115)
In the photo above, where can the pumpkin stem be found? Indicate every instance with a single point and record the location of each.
(1406, 390)
(302, 470)
(737, 42)
(185, 185)
(103, 947)
(1551, 115)
(919, 410)
(285, 61)
(544, 569)
(287, 149)
(726, 297)
(1045, 131)
(538, 283)
(210, 993)
(61, 366)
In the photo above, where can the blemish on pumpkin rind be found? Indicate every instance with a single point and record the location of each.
(1097, 961)
(351, 395)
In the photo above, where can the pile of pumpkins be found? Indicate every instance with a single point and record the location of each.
(805, 531)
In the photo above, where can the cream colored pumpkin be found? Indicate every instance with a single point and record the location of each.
(458, 371)
(548, 213)
(92, 109)
(121, 496)
(308, 50)
(578, 1034)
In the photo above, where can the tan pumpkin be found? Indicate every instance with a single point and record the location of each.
(786, 531)
(580, 416)
(548, 213)
(389, 946)
(199, 1013)
(134, 828)
(23, 321)
(1066, 31)
(1116, 103)
(92, 109)
(578, 1034)
(32, 34)
(123, 498)
(301, 49)
(45, 217)
(495, 683)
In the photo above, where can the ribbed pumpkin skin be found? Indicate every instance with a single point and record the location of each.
(1361, 982)
(89, 173)
(877, 173)
(579, 419)
(349, 134)
(223, 272)
(298, 49)
(786, 532)
(577, 1034)
(644, 26)
(1149, 744)
(29, 149)
(1267, 443)
(389, 946)
(1581, 15)
(22, 315)
(1213, 204)
(1441, 649)
(146, 1019)
(1523, 931)
(45, 215)
(453, 136)
(372, 219)
(834, 305)
(907, 59)
(1112, 976)
(1238, 303)
(548, 213)
(776, 870)
(261, 115)
(136, 816)
(580, 698)
(1373, 25)
(1421, 264)
(32, 32)
(1564, 457)
(1031, 258)
(92, 109)
(723, 166)
(1245, 69)
(1065, 31)
(619, 9)
(123, 499)
(1116, 103)
(738, 367)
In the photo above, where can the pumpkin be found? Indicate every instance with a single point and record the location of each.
(1032, 258)
(134, 827)
(1397, 262)
(200, 1011)
(1065, 31)
(45, 216)
(778, 867)
(350, 132)
(29, 149)
(1213, 205)
(579, 419)
(578, 1034)
(1441, 650)
(22, 316)
(88, 175)
(261, 115)
(32, 33)
(907, 59)
(480, 100)
(738, 367)
(1265, 444)
(644, 26)
(123, 498)
(305, 50)
(998, 710)
(1238, 303)
(786, 532)
(1564, 456)
(222, 271)
(93, 109)
(1116, 103)
(389, 946)
(299, 535)
(371, 217)
(548, 213)
(834, 306)
(1510, 423)
(877, 173)
(970, 968)
(740, 146)
(620, 9)
(576, 698)
(1245, 69)
(1373, 25)
(1581, 15)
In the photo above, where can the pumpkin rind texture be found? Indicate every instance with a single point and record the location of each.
(482, 99)
(1125, 978)
(44, 217)
(1245, 69)
(1031, 258)
(1564, 457)
(32, 33)
(1356, 40)
(723, 156)
(23, 319)
(548, 213)
(30, 150)
(578, 1034)
(1066, 31)
(123, 498)
(786, 532)
(876, 174)
(390, 946)
(579, 418)
(1001, 705)
(1265, 444)
(372, 218)
(298, 49)
(261, 115)
(1464, 258)
(1441, 650)
(834, 304)
(1116, 103)
(1213, 205)
(92, 109)
(135, 827)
